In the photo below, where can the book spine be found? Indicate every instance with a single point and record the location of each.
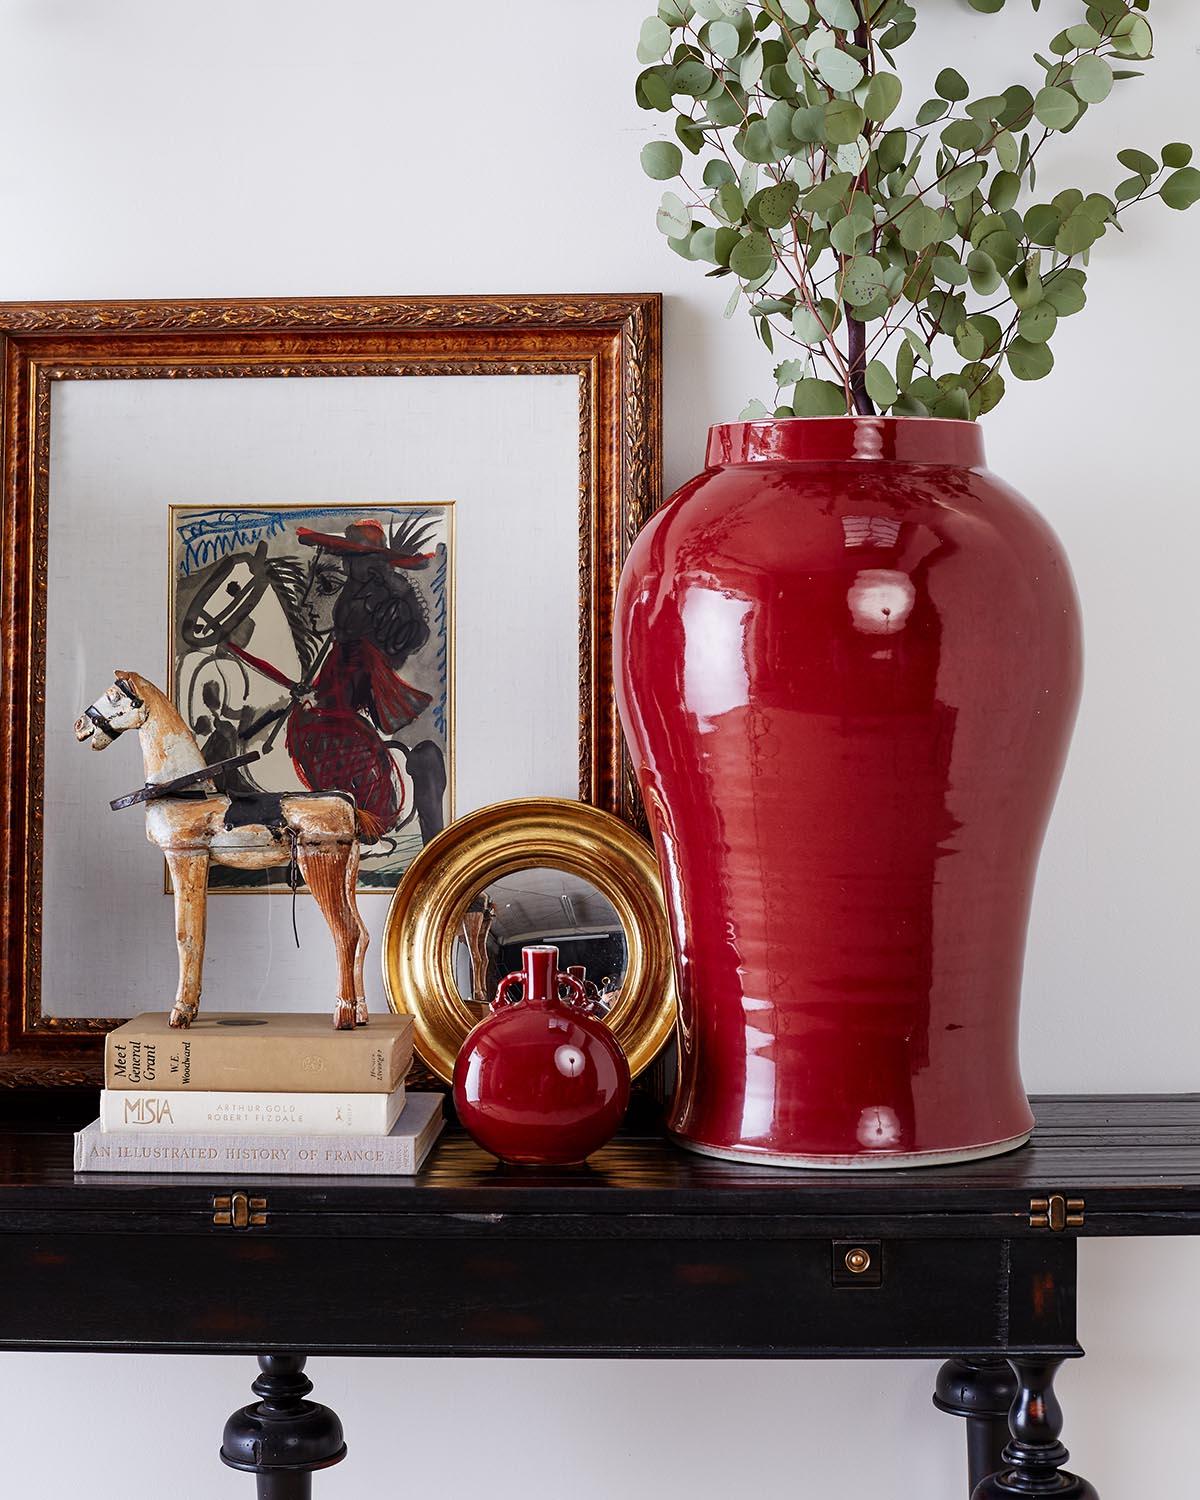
(350, 1063)
(324, 1156)
(222, 1112)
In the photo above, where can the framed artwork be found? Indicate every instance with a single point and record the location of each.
(320, 638)
(367, 539)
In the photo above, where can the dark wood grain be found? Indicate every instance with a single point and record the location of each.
(1135, 1160)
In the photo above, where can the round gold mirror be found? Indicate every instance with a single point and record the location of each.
(540, 870)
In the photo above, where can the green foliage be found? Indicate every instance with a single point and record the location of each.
(890, 267)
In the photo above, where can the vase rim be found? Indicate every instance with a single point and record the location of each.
(944, 441)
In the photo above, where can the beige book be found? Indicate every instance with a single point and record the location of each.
(256, 1050)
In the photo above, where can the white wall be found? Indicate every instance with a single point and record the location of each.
(150, 148)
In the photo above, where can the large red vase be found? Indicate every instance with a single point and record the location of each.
(848, 663)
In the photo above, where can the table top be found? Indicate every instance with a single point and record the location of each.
(1134, 1160)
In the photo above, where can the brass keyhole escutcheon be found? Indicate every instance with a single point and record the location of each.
(858, 1260)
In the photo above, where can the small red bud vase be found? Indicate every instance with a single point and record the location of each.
(541, 1081)
(848, 662)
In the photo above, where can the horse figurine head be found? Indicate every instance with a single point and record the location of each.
(121, 708)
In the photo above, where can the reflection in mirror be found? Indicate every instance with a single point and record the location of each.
(541, 906)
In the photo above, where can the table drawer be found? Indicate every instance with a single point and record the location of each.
(502, 1294)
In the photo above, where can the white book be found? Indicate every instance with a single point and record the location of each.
(238, 1112)
(400, 1153)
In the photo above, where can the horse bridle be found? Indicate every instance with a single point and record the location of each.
(106, 726)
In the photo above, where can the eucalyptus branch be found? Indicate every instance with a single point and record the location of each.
(810, 201)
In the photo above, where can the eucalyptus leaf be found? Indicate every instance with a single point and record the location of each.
(655, 40)
(1042, 223)
(1182, 188)
(1008, 153)
(1004, 190)
(1029, 361)
(772, 206)
(951, 85)
(673, 218)
(691, 77)
(1139, 162)
(819, 398)
(843, 121)
(661, 159)
(862, 280)
(1055, 107)
(963, 181)
(753, 411)
(750, 69)
(790, 371)
(881, 387)
(981, 268)
(717, 172)
(753, 255)
(809, 328)
(883, 95)
(963, 135)
(1078, 233)
(1065, 291)
(840, 14)
(723, 38)
(946, 268)
(1038, 323)
(1092, 78)
(839, 70)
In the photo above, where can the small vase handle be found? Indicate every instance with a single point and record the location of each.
(576, 997)
(501, 999)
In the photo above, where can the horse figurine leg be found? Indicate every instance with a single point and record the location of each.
(364, 937)
(324, 869)
(189, 880)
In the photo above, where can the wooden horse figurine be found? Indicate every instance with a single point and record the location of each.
(199, 826)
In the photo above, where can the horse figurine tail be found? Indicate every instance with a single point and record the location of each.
(370, 828)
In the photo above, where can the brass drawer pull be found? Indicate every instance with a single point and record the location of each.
(236, 1211)
(1056, 1213)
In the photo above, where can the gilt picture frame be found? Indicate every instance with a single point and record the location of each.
(538, 416)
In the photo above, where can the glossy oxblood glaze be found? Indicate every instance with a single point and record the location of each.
(539, 1081)
(848, 663)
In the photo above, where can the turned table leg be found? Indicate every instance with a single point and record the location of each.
(982, 1392)
(282, 1438)
(1032, 1461)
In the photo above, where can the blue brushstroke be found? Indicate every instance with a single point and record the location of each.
(217, 533)
(437, 587)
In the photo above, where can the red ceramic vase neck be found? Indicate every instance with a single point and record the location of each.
(541, 974)
(817, 440)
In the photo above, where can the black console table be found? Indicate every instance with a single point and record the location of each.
(648, 1251)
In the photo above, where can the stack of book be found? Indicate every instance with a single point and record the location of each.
(257, 1092)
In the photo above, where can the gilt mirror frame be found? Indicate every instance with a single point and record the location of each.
(425, 919)
(612, 343)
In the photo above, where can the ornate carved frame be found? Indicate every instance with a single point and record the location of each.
(612, 342)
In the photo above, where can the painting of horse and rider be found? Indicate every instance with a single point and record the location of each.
(322, 638)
